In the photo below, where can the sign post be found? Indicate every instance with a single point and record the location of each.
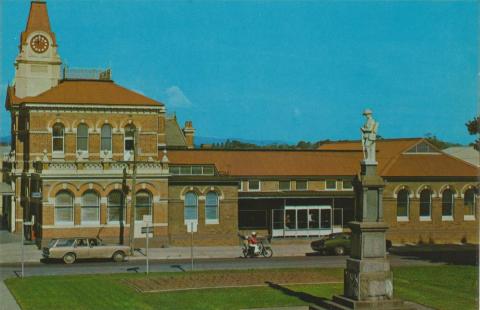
(191, 243)
(147, 219)
(23, 245)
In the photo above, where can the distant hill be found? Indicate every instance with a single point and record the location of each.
(213, 140)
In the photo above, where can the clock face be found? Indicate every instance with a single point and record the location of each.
(39, 43)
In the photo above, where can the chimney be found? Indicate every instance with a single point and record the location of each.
(188, 132)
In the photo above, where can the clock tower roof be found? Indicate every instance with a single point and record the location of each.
(37, 21)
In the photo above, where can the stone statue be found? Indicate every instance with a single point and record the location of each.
(369, 136)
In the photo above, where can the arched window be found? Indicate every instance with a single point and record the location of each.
(143, 205)
(116, 212)
(469, 203)
(64, 208)
(90, 208)
(448, 204)
(106, 138)
(191, 207)
(402, 204)
(58, 132)
(425, 204)
(211, 208)
(82, 138)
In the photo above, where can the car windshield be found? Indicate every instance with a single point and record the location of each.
(52, 243)
(65, 242)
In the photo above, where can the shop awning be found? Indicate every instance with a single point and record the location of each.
(5, 189)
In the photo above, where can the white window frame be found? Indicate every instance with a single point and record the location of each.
(150, 206)
(448, 218)
(64, 223)
(347, 189)
(217, 219)
(122, 207)
(403, 218)
(330, 189)
(255, 190)
(58, 154)
(89, 223)
(306, 185)
(425, 218)
(470, 217)
(128, 154)
(289, 185)
(82, 153)
(241, 186)
(106, 153)
(195, 220)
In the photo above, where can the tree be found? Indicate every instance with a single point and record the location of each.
(473, 127)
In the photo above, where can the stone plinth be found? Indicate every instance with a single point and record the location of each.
(368, 280)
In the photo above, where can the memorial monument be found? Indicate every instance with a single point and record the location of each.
(368, 280)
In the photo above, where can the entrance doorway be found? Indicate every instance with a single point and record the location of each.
(305, 221)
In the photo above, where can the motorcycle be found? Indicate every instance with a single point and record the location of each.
(263, 244)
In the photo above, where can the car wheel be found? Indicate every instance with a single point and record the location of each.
(339, 250)
(69, 258)
(118, 256)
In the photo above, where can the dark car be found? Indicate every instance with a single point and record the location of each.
(338, 244)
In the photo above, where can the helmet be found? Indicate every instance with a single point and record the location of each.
(254, 233)
(367, 111)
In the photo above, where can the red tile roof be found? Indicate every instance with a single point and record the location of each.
(334, 159)
(272, 163)
(92, 92)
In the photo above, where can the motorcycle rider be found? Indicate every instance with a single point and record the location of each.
(253, 243)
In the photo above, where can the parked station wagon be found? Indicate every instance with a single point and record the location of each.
(71, 249)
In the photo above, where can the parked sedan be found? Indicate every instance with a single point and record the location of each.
(338, 244)
(71, 249)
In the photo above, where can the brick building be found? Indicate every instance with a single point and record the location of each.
(71, 166)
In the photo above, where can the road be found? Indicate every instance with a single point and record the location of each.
(96, 267)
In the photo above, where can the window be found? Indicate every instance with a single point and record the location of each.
(58, 132)
(106, 138)
(447, 205)
(425, 204)
(129, 138)
(347, 184)
(402, 205)
(82, 138)
(284, 185)
(64, 208)
(191, 207)
(254, 185)
(469, 204)
(252, 219)
(301, 185)
(330, 184)
(422, 147)
(143, 205)
(90, 208)
(211, 208)
(116, 211)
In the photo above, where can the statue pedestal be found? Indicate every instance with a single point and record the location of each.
(368, 275)
(368, 280)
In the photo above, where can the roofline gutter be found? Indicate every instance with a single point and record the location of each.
(77, 106)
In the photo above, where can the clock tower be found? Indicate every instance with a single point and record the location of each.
(37, 67)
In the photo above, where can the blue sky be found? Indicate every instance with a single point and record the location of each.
(269, 70)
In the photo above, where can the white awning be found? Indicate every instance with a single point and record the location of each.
(5, 189)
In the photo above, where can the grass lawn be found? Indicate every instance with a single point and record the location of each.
(443, 287)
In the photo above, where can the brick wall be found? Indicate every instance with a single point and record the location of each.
(223, 233)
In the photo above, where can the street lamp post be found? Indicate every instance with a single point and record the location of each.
(131, 230)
